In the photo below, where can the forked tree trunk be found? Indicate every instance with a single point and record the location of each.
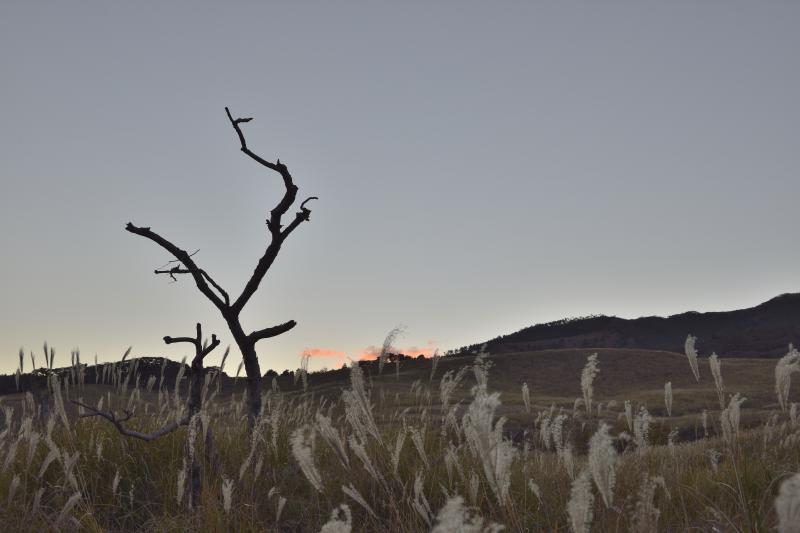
(252, 369)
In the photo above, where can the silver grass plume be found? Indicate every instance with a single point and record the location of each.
(69, 462)
(557, 434)
(181, 483)
(58, 400)
(227, 494)
(115, 484)
(71, 502)
(786, 366)
(645, 518)
(420, 503)
(361, 452)
(526, 397)
(534, 488)
(358, 408)
(416, 438)
(454, 517)
(704, 422)
(398, 448)
(579, 507)
(602, 463)
(279, 508)
(48, 460)
(304, 455)
(545, 429)
(641, 427)
(672, 438)
(341, 521)
(351, 491)
(729, 420)
(716, 372)
(448, 385)
(12, 489)
(37, 501)
(387, 346)
(668, 397)
(474, 487)
(485, 439)
(714, 459)
(787, 505)
(567, 459)
(303, 370)
(434, 363)
(333, 438)
(587, 379)
(629, 415)
(691, 354)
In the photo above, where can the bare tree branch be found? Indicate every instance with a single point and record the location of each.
(197, 273)
(207, 350)
(178, 270)
(274, 331)
(194, 397)
(274, 221)
(301, 216)
(200, 350)
(277, 167)
(173, 340)
(117, 422)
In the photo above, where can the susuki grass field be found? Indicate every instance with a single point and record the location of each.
(562, 440)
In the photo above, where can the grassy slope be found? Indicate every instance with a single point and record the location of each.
(736, 497)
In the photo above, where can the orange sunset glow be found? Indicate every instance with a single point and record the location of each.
(370, 353)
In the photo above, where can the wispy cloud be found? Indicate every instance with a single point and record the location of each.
(323, 353)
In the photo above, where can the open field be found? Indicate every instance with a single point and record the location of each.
(415, 450)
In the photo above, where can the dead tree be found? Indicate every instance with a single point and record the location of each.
(231, 309)
(190, 418)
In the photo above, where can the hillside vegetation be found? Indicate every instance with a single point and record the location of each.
(761, 331)
(558, 440)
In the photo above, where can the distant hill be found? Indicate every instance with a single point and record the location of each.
(761, 331)
(143, 367)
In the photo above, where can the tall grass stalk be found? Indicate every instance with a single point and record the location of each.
(716, 372)
(691, 354)
(587, 379)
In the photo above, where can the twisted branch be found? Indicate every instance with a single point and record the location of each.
(274, 222)
(181, 255)
(117, 423)
(194, 396)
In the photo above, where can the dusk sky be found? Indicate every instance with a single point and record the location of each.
(481, 167)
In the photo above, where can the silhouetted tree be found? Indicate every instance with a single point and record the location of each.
(231, 309)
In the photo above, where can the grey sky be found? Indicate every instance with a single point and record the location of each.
(480, 166)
